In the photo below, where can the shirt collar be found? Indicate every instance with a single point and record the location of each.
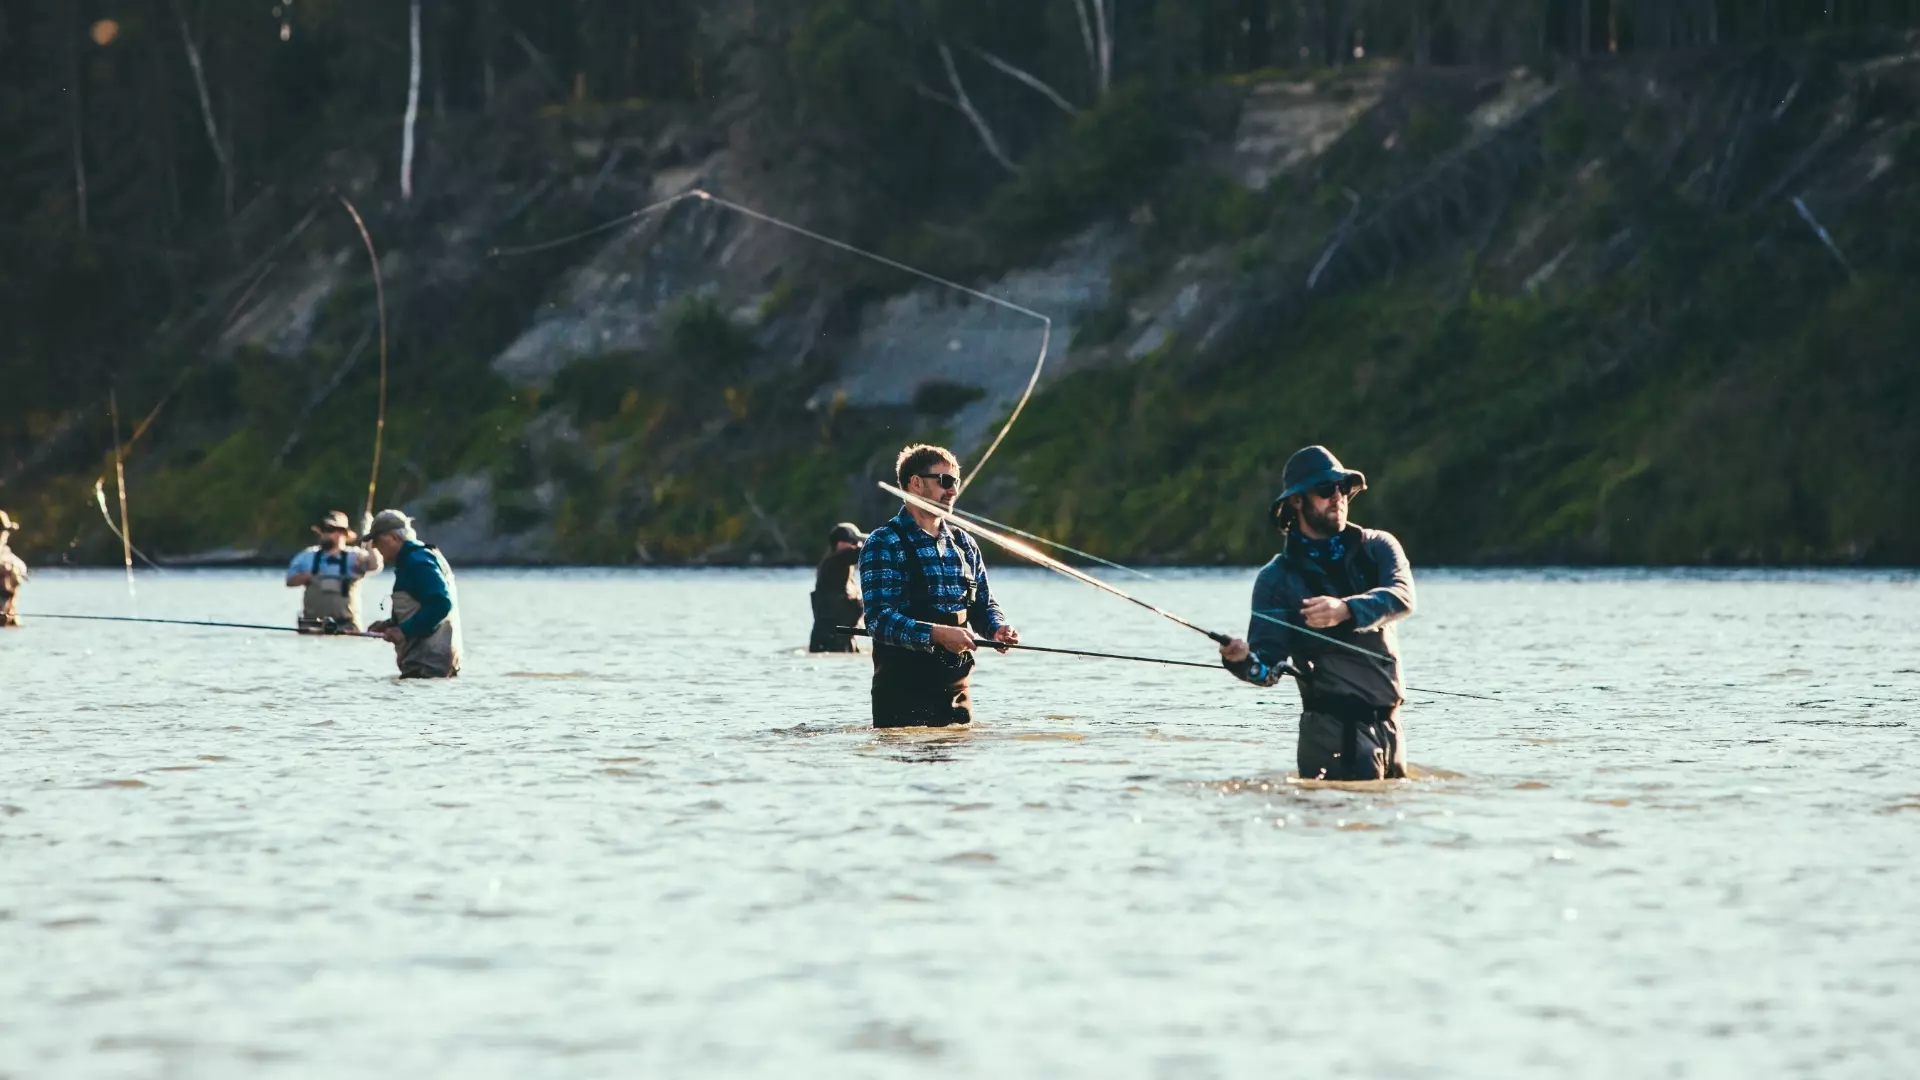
(904, 521)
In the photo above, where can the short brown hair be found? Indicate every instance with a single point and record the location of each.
(914, 460)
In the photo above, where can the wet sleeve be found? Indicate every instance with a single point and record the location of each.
(883, 586)
(986, 616)
(1267, 637)
(420, 576)
(1393, 600)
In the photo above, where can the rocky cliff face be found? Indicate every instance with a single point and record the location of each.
(1517, 284)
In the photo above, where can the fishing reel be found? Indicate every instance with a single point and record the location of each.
(328, 626)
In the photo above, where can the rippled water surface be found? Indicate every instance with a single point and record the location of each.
(645, 836)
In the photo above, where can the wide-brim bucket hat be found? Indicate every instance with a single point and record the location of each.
(1311, 466)
(335, 519)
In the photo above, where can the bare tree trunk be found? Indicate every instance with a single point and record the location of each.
(206, 105)
(1086, 40)
(486, 36)
(1103, 33)
(77, 117)
(1025, 79)
(413, 101)
(965, 105)
(1259, 18)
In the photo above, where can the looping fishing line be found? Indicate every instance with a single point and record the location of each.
(100, 500)
(1046, 322)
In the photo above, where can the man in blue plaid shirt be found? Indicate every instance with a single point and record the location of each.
(925, 588)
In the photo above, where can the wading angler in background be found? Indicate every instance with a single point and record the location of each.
(425, 628)
(836, 591)
(13, 572)
(1349, 584)
(331, 572)
(925, 584)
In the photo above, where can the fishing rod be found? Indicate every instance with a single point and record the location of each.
(985, 520)
(1027, 552)
(196, 622)
(1032, 554)
(380, 302)
(983, 643)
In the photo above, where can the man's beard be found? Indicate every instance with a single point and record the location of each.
(1325, 523)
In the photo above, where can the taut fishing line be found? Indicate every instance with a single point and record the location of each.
(985, 520)
(194, 622)
(1051, 563)
(1046, 322)
(1034, 555)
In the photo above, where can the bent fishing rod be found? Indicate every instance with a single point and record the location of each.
(1028, 552)
(1035, 555)
(202, 622)
(983, 643)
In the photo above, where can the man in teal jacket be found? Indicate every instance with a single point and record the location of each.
(1327, 604)
(425, 627)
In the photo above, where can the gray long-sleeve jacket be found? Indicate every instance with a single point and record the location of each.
(1377, 565)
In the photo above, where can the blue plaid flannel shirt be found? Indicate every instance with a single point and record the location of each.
(883, 582)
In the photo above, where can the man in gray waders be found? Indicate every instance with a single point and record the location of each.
(836, 591)
(425, 627)
(1346, 583)
(925, 586)
(330, 572)
(13, 572)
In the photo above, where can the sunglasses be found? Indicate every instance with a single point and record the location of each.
(1330, 488)
(946, 480)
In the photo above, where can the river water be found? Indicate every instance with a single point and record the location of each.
(644, 835)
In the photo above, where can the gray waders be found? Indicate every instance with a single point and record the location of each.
(436, 656)
(1343, 738)
(331, 605)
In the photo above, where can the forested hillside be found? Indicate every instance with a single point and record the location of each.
(1623, 281)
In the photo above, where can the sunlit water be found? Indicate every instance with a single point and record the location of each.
(644, 836)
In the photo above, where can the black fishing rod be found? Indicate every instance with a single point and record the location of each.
(1034, 555)
(1031, 554)
(983, 643)
(194, 622)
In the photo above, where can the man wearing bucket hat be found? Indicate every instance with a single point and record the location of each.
(836, 591)
(13, 572)
(1346, 585)
(425, 628)
(330, 572)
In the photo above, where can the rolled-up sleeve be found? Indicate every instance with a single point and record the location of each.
(883, 588)
(1393, 600)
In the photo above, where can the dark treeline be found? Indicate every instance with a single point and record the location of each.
(149, 148)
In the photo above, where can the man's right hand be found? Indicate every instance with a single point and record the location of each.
(954, 639)
(1235, 651)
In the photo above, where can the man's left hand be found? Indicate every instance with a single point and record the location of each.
(1323, 611)
(392, 633)
(1007, 635)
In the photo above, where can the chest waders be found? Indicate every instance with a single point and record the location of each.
(834, 604)
(436, 656)
(9, 587)
(331, 605)
(917, 689)
(1342, 737)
